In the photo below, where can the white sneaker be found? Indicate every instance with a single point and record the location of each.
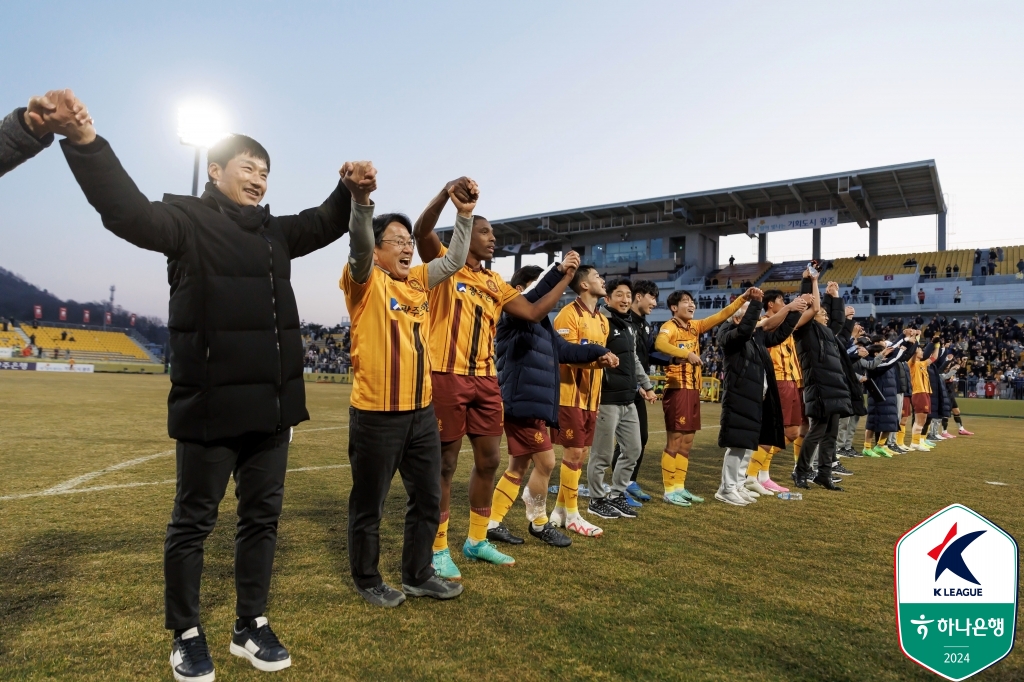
(754, 485)
(732, 497)
(919, 447)
(579, 525)
(749, 495)
(557, 518)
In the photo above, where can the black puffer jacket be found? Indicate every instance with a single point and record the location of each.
(236, 350)
(826, 391)
(843, 338)
(619, 384)
(748, 420)
(941, 406)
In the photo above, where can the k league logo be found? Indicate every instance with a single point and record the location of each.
(956, 593)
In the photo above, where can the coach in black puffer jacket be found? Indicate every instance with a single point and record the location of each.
(941, 406)
(845, 339)
(747, 418)
(883, 415)
(236, 350)
(826, 391)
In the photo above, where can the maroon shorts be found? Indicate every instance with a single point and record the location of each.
(792, 398)
(526, 436)
(922, 403)
(466, 405)
(682, 409)
(907, 409)
(575, 427)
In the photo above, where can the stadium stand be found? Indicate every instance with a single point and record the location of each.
(846, 269)
(11, 339)
(786, 276)
(88, 344)
(738, 272)
(1011, 257)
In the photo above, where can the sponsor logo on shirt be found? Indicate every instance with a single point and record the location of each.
(460, 287)
(584, 342)
(563, 332)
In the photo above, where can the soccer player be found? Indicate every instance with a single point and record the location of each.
(392, 425)
(579, 396)
(680, 338)
(751, 408)
(528, 357)
(617, 419)
(464, 312)
(789, 380)
(921, 396)
(236, 363)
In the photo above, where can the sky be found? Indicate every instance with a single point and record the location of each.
(547, 105)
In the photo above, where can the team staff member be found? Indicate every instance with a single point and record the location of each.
(579, 396)
(236, 364)
(645, 299)
(751, 409)
(528, 356)
(680, 338)
(617, 420)
(464, 312)
(392, 425)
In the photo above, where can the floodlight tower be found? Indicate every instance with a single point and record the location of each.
(200, 125)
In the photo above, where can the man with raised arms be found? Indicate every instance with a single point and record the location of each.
(464, 313)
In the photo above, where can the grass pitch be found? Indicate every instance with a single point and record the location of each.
(775, 591)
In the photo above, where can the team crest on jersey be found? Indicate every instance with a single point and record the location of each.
(568, 434)
(538, 437)
(415, 284)
(492, 286)
(682, 421)
(440, 427)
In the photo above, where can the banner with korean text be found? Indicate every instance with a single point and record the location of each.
(792, 221)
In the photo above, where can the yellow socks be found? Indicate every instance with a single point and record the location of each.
(917, 439)
(797, 444)
(441, 539)
(901, 438)
(668, 471)
(505, 494)
(568, 487)
(478, 518)
(757, 461)
(682, 464)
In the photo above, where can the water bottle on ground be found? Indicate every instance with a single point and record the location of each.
(791, 496)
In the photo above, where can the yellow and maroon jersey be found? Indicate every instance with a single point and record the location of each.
(786, 362)
(464, 311)
(390, 328)
(679, 339)
(581, 384)
(920, 382)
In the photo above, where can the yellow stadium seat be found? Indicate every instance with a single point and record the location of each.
(117, 345)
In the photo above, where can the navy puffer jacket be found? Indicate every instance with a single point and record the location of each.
(528, 356)
(883, 417)
(941, 408)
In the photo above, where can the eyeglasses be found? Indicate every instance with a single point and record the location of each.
(400, 243)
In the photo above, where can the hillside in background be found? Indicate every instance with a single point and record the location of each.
(18, 299)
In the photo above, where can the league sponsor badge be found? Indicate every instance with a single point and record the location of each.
(460, 287)
(956, 593)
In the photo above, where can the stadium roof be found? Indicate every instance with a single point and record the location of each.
(900, 191)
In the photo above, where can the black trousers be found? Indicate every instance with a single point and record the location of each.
(258, 462)
(380, 443)
(822, 436)
(641, 415)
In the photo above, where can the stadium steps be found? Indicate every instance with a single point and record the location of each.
(739, 272)
(846, 269)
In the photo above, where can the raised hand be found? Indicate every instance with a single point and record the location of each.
(569, 263)
(832, 289)
(465, 205)
(694, 359)
(798, 304)
(753, 294)
(38, 107)
(850, 312)
(862, 351)
(360, 177)
(66, 115)
(465, 189)
(609, 359)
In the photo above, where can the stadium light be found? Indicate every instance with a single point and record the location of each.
(200, 125)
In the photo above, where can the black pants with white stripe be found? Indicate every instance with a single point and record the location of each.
(379, 444)
(258, 462)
